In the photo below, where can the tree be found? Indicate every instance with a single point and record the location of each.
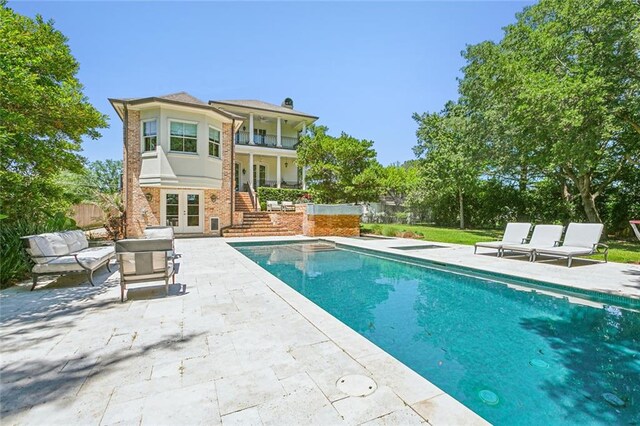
(105, 175)
(342, 169)
(398, 180)
(43, 114)
(451, 159)
(565, 82)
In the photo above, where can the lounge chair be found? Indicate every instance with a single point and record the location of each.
(288, 206)
(544, 236)
(273, 206)
(581, 239)
(514, 233)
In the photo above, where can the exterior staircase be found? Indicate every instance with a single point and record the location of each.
(243, 202)
(253, 223)
(256, 224)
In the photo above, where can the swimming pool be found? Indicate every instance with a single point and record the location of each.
(512, 356)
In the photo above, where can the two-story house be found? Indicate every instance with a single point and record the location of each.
(186, 161)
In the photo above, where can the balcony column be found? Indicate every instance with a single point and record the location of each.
(304, 128)
(251, 132)
(251, 170)
(278, 171)
(304, 178)
(279, 133)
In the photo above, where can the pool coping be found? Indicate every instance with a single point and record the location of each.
(423, 397)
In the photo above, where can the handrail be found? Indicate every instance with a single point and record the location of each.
(254, 199)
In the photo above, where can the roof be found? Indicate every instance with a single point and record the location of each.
(179, 98)
(260, 105)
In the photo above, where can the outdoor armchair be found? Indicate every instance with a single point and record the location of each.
(544, 236)
(273, 206)
(144, 260)
(288, 206)
(581, 239)
(514, 233)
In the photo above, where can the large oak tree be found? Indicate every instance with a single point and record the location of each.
(561, 91)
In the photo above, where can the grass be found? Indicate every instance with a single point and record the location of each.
(619, 251)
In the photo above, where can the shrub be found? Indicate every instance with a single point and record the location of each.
(282, 194)
(388, 232)
(14, 264)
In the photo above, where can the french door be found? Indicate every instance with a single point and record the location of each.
(183, 209)
(259, 175)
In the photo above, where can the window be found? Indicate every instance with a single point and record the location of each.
(214, 142)
(183, 136)
(149, 135)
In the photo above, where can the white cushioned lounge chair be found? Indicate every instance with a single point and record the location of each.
(273, 206)
(581, 239)
(544, 236)
(288, 206)
(515, 233)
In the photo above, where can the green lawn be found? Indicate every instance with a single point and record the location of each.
(619, 251)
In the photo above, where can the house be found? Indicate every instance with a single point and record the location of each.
(188, 162)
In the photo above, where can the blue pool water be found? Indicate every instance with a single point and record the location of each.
(514, 357)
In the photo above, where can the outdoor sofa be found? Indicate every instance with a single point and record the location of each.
(514, 233)
(60, 253)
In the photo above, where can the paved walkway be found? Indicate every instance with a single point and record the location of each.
(230, 345)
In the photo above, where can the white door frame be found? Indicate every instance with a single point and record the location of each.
(182, 227)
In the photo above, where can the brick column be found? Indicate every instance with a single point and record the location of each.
(226, 194)
(135, 202)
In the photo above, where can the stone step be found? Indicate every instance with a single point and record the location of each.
(259, 227)
(229, 233)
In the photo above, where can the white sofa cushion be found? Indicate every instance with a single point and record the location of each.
(91, 258)
(161, 233)
(76, 240)
(51, 244)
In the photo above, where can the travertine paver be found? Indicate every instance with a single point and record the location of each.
(231, 344)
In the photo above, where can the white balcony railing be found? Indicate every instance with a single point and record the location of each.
(243, 138)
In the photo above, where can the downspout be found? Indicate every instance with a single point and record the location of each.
(233, 167)
(125, 184)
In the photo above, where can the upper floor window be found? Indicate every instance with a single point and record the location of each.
(149, 135)
(183, 136)
(214, 142)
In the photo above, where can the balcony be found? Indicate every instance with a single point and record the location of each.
(242, 138)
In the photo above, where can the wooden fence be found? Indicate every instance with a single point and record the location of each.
(88, 215)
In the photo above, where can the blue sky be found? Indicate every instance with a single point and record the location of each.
(362, 67)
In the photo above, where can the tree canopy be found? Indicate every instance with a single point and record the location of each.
(560, 93)
(339, 169)
(44, 114)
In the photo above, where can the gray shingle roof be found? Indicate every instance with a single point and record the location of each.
(256, 104)
(183, 97)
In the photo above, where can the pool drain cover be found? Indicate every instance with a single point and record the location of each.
(613, 399)
(539, 363)
(356, 385)
(488, 397)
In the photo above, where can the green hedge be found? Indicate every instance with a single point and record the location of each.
(280, 195)
(14, 264)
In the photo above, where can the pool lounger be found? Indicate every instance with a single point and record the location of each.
(514, 233)
(581, 239)
(544, 236)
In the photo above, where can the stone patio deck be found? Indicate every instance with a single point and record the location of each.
(230, 345)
